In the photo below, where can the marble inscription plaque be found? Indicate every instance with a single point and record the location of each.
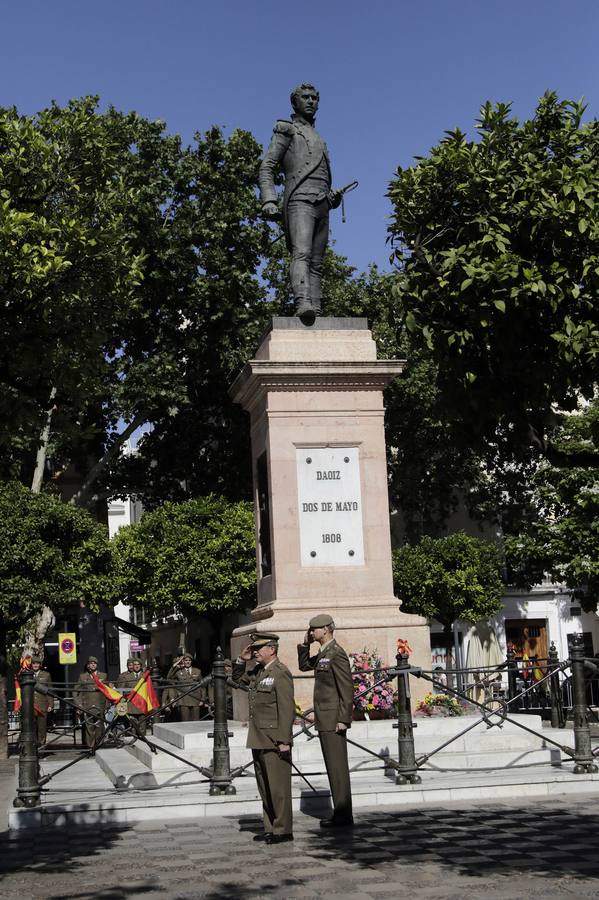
(330, 506)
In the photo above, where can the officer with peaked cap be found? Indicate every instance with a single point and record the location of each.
(272, 711)
(91, 701)
(333, 707)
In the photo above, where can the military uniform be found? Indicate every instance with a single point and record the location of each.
(93, 703)
(126, 682)
(298, 149)
(192, 704)
(333, 703)
(43, 704)
(272, 711)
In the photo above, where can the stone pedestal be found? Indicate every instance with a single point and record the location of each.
(315, 398)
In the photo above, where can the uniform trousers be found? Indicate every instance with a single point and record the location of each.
(189, 713)
(41, 729)
(307, 226)
(334, 751)
(93, 730)
(273, 776)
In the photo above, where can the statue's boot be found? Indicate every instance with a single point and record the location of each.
(305, 312)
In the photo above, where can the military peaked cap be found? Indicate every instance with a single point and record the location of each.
(92, 659)
(265, 639)
(36, 659)
(321, 621)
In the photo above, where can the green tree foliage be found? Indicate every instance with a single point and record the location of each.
(559, 534)
(128, 270)
(449, 579)
(51, 554)
(497, 245)
(191, 557)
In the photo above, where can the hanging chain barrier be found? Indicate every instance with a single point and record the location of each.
(569, 681)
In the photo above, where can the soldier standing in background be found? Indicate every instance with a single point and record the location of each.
(126, 682)
(272, 711)
(333, 709)
(42, 703)
(92, 701)
(190, 705)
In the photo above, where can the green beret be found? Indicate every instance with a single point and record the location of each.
(131, 660)
(321, 621)
(264, 639)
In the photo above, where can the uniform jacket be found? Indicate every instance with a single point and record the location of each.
(297, 149)
(183, 679)
(126, 682)
(44, 702)
(333, 684)
(86, 694)
(272, 706)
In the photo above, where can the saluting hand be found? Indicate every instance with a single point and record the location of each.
(246, 653)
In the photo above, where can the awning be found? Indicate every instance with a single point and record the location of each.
(143, 636)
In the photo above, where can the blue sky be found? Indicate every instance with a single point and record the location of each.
(393, 74)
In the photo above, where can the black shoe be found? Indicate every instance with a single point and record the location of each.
(262, 836)
(278, 838)
(336, 823)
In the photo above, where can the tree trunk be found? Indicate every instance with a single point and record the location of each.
(81, 497)
(38, 629)
(448, 641)
(40, 460)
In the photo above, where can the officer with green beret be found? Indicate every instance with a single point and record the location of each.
(272, 711)
(126, 682)
(333, 708)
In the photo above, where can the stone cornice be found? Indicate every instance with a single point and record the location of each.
(260, 376)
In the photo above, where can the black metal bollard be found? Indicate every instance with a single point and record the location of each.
(28, 792)
(558, 719)
(512, 674)
(221, 781)
(583, 754)
(407, 770)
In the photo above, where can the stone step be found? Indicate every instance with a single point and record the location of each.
(307, 756)
(84, 794)
(378, 736)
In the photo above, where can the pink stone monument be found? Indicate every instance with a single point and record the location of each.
(315, 399)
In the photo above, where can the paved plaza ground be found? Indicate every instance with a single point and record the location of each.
(490, 850)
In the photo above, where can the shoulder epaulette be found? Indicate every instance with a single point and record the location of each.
(283, 126)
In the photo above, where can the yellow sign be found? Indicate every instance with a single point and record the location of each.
(67, 648)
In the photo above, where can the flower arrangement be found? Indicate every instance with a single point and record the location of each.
(403, 648)
(381, 698)
(439, 705)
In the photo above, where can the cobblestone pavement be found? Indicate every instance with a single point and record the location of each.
(547, 849)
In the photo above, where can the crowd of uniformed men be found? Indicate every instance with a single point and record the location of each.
(272, 711)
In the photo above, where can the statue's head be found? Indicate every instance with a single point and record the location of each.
(305, 99)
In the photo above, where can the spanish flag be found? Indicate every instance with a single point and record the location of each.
(143, 695)
(17, 707)
(109, 692)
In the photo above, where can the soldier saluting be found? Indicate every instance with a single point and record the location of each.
(272, 711)
(301, 153)
(333, 708)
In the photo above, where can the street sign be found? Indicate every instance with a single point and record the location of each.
(67, 648)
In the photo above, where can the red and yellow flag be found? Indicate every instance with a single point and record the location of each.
(109, 692)
(143, 696)
(17, 696)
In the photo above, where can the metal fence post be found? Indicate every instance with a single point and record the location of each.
(28, 792)
(512, 674)
(221, 761)
(407, 770)
(555, 691)
(583, 755)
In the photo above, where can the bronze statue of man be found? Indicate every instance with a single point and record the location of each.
(299, 151)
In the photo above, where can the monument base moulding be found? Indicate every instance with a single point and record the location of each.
(315, 399)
